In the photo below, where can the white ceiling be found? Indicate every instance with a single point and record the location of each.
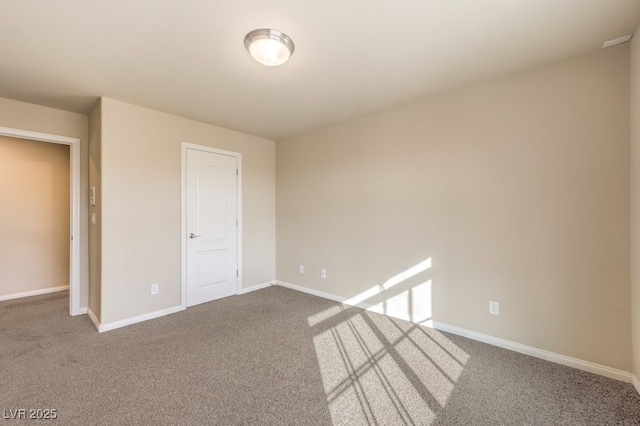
(353, 57)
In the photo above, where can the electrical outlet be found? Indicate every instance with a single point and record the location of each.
(323, 273)
(494, 308)
(155, 288)
(301, 269)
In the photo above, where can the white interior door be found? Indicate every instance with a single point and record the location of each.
(211, 225)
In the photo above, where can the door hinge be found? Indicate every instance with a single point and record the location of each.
(237, 273)
(72, 235)
(237, 172)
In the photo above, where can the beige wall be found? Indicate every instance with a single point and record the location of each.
(95, 231)
(517, 189)
(141, 206)
(635, 200)
(34, 218)
(24, 116)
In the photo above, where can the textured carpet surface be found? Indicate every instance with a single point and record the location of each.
(276, 356)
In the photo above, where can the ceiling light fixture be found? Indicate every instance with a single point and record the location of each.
(269, 47)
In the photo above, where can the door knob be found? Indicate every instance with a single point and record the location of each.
(192, 235)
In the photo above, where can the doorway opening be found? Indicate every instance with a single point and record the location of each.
(74, 205)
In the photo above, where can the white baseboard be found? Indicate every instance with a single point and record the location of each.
(366, 306)
(516, 347)
(591, 367)
(83, 311)
(34, 293)
(636, 382)
(134, 320)
(140, 318)
(317, 293)
(93, 318)
(256, 287)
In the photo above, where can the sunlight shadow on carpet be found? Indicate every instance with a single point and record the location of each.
(379, 370)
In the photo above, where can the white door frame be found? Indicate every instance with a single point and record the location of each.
(183, 226)
(74, 152)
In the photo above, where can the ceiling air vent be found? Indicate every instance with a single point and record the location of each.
(618, 40)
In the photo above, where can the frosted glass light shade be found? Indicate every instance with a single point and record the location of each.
(269, 47)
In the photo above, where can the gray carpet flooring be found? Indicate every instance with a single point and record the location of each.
(277, 356)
